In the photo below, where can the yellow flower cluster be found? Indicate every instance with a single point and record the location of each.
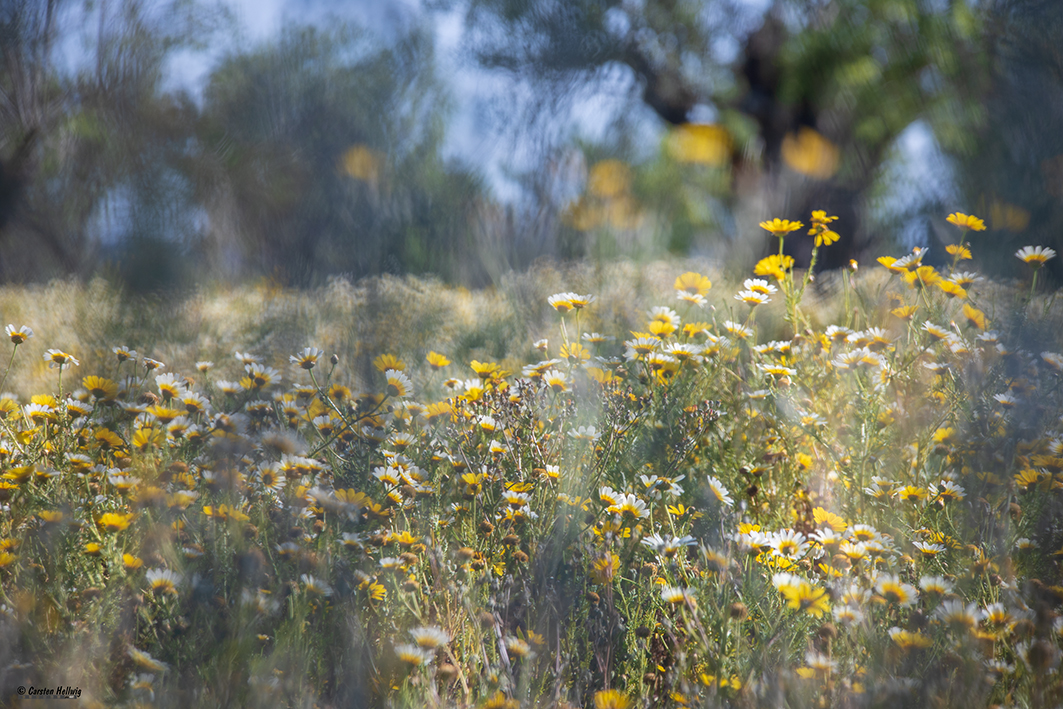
(869, 492)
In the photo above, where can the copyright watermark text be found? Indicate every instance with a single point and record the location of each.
(60, 691)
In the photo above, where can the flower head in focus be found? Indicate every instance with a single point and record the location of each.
(821, 228)
(20, 335)
(1036, 256)
(780, 227)
(58, 358)
(966, 221)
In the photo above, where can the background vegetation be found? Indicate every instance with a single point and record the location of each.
(320, 151)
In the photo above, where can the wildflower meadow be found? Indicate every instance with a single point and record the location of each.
(608, 487)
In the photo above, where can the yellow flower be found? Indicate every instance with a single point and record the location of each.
(802, 595)
(892, 264)
(665, 315)
(960, 251)
(951, 289)
(693, 283)
(484, 370)
(966, 221)
(403, 538)
(339, 393)
(500, 701)
(131, 562)
(605, 568)
(908, 640)
(389, 361)
(181, 499)
(1027, 477)
(921, 276)
(975, 317)
(611, 699)
(114, 522)
(780, 227)
(660, 328)
(436, 360)
(432, 412)
(826, 237)
(19, 474)
(92, 549)
(944, 434)
(810, 153)
(835, 522)
(575, 353)
(700, 143)
(905, 312)
(148, 437)
(911, 493)
(224, 512)
(377, 592)
(602, 376)
(820, 218)
(775, 266)
(100, 388)
(695, 329)
(821, 230)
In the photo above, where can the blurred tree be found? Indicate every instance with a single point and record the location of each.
(29, 94)
(1012, 173)
(94, 156)
(326, 160)
(818, 93)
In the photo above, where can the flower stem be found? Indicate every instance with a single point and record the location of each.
(8, 370)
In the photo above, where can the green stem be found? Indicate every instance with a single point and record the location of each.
(845, 292)
(8, 370)
(956, 256)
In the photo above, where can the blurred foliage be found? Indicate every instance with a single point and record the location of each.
(319, 152)
(815, 101)
(93, 155)
(325, 156)
(103, 165)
